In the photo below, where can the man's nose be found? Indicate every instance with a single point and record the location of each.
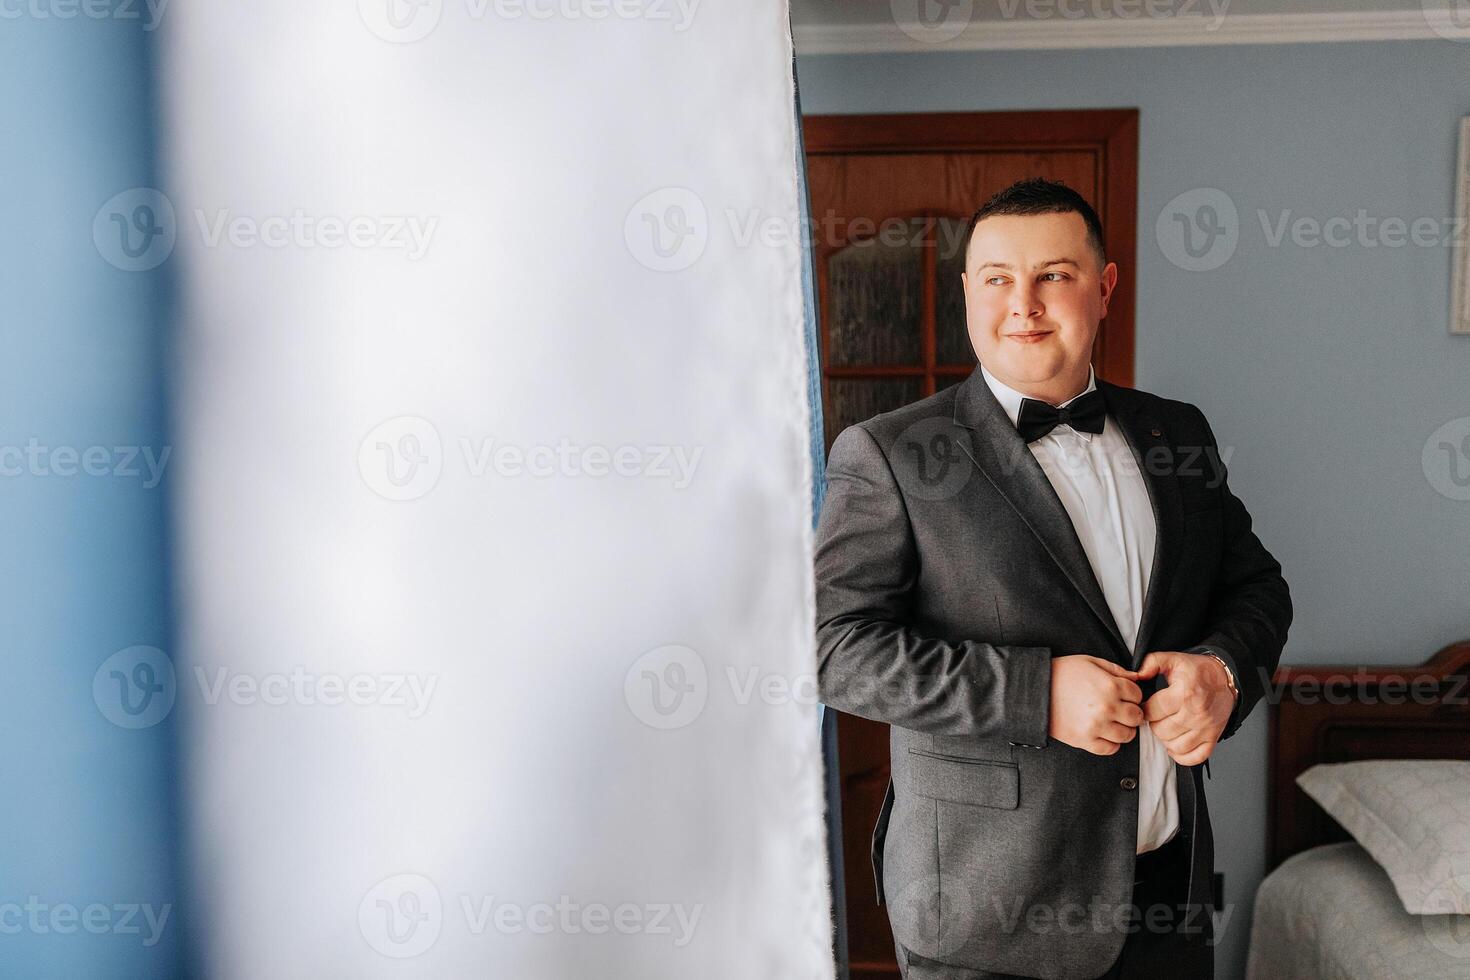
(1025, 304)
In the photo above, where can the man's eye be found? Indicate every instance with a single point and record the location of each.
(995, 281)
(1060, 276)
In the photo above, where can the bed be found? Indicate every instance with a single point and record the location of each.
(1328, 909)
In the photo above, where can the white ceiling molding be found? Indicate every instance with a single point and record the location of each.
(1026, 34)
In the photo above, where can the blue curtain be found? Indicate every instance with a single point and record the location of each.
(827, 719)
(91, 827)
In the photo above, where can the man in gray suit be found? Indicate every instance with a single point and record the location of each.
(1043, 583)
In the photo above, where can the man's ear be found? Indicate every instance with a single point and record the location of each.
(1109, 280)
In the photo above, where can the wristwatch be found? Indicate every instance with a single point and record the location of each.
(1229, 675)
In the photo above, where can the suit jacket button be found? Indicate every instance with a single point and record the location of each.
(1128, 782)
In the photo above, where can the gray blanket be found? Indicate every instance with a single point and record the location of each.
(1331, 913)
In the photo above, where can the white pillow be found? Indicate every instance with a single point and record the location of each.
(1412, 816)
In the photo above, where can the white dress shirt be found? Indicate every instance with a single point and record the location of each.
(1100, 485)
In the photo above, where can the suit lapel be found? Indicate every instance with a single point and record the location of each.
(1005, 459)
(1146, 433)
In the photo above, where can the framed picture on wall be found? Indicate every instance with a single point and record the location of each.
(1460, 252)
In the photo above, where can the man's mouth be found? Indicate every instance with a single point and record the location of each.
(1028, 336)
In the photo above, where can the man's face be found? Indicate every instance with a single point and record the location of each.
(1035, 292)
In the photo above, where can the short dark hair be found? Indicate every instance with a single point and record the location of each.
(1038, 196)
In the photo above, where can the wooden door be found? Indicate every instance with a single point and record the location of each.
(890, 198)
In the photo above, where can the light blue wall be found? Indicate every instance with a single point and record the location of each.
(1326, 369)
(88, 805)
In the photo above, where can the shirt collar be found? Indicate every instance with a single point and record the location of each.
(1010, 398)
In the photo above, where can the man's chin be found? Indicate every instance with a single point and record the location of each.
(1028, 367)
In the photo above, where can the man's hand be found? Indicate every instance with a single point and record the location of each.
(1094, 704)
(1188, 715)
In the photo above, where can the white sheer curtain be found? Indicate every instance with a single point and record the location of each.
(495, 548)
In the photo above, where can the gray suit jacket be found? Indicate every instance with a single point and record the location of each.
(948, 574)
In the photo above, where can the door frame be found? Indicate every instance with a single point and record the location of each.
(1112, 137)
(1111, 134)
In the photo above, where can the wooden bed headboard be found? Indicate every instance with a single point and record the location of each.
(1343, 714)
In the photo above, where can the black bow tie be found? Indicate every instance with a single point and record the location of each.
(1085, 413)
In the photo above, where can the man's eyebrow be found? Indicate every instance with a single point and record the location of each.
(1047, 264)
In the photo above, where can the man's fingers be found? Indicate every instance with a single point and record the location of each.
(1168, 729)
(1121, 734)
(1153, 664)
(1186, 743)
(1128, 713)
(1117, 670)
(1163, 704)
(1156, 663)
(1101, 746)
(1195, 756)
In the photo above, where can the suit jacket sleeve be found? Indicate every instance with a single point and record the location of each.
(1250, 610)
(871, 662)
